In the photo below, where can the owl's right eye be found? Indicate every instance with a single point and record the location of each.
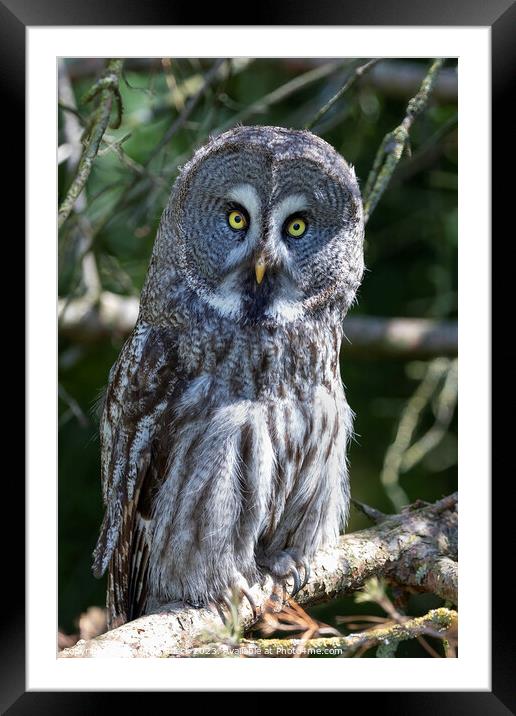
(237, 220)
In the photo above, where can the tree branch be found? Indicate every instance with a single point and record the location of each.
(393, 144)
(396, 549)
(437, 622)
(438, 575)
(85, 321)
(415, 337)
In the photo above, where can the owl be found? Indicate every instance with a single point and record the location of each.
(225, 424)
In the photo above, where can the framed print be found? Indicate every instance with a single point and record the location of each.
(245, 318)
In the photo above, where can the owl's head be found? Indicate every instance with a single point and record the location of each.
(266, 224)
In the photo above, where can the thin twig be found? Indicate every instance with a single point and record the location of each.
(375, 591)
(445, 407)
(370, 512)
(395, 142)
(189, 107)
(107, 88)
(73, 405)
(406, 427)
(353, 77)
(283, 92)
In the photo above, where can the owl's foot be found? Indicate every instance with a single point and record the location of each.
(285, 566)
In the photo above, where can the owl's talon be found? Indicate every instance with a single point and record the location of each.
(227, 601)
(297, 581)
(247, 594)
(308, 572)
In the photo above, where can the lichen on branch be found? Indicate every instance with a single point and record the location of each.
(395, 142)
(439, 622)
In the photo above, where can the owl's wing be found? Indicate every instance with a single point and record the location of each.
(138, 394)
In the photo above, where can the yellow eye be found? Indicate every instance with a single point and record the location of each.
(296, 227)
(237, 220)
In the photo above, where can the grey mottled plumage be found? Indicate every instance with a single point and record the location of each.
(225, 423)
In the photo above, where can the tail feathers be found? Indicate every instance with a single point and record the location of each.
(128, 575)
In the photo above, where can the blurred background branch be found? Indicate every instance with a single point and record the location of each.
(110, 314)
(439, 381)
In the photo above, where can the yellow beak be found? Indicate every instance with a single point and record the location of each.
(259, 269)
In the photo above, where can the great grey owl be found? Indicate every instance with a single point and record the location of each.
(225, 423)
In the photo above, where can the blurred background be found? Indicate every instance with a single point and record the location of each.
(399, 364)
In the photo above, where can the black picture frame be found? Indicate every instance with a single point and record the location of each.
(500, 16)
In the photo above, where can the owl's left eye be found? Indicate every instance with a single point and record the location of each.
(237, 220)
(296, 227)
